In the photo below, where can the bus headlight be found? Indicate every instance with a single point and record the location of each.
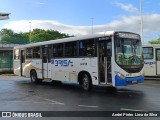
(120, 75)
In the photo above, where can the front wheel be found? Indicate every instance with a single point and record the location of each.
(86, 82)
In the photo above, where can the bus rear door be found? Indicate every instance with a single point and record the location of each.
(46, 51)
(22, 61)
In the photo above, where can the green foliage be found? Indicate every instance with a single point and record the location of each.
(155, 41)
(37, 35)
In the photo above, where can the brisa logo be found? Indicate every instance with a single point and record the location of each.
(149, 63)
(64, 63)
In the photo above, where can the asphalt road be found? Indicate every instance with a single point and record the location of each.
(19, 94)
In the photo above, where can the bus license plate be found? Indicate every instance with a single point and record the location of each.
(134, 82)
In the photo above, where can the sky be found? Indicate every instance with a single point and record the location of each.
(81, 17)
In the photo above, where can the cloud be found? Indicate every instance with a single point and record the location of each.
(125, 23)
(40, 3)
(127, 7)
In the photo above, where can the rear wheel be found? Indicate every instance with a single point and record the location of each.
(34, 78)
(86, 82)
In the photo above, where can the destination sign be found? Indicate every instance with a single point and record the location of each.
(128, 35)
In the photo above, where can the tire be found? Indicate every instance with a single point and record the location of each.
(86, 82)
(33, 76)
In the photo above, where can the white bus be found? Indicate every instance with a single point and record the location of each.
(110, 59)
(151, 54)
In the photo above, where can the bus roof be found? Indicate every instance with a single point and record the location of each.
(69, 39)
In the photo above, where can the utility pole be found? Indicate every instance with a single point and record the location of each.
(92, 24)
(29, 32)
(142, 37)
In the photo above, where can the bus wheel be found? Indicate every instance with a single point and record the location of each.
(86, 82)
(34, 78)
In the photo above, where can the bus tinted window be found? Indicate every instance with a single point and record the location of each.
(71, 49)
(36, 52)
(158, 55)
(58, 50)
(29, 53)
(33, 52)
(46, 54)
(87, 48)
(148, 53)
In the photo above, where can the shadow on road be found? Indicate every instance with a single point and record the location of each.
(75, 88)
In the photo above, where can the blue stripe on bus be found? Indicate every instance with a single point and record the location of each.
(128, 81)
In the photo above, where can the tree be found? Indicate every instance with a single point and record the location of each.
(6, 35)
(37, 35)
(9, 37)
(40, 37)
(155, 41)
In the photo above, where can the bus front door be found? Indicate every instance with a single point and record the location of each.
(158, 61)
(46, 52)
(104, 54)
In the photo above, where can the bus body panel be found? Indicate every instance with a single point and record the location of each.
(17, 67)
(158, 67)
(152, 64)
(67, 69)
(149, 67)
(127, 79)
(36, 65)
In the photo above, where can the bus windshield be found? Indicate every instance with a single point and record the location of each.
(128, 54)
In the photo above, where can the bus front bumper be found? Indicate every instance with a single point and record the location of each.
(128, 81)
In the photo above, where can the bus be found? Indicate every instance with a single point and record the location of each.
(110, 59)
(151, 54)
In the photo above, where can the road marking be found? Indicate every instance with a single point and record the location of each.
(54, 102)
(125, 109)
(88, 106)
(48, 103)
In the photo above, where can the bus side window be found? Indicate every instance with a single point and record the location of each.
(71, 49)
(158, 55)
(58, 50)
(148, 53)
(87, 48)
(81, 48)
(36, 52)
(29, 53)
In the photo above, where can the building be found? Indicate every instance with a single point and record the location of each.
(6, 58)
(4, 16)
